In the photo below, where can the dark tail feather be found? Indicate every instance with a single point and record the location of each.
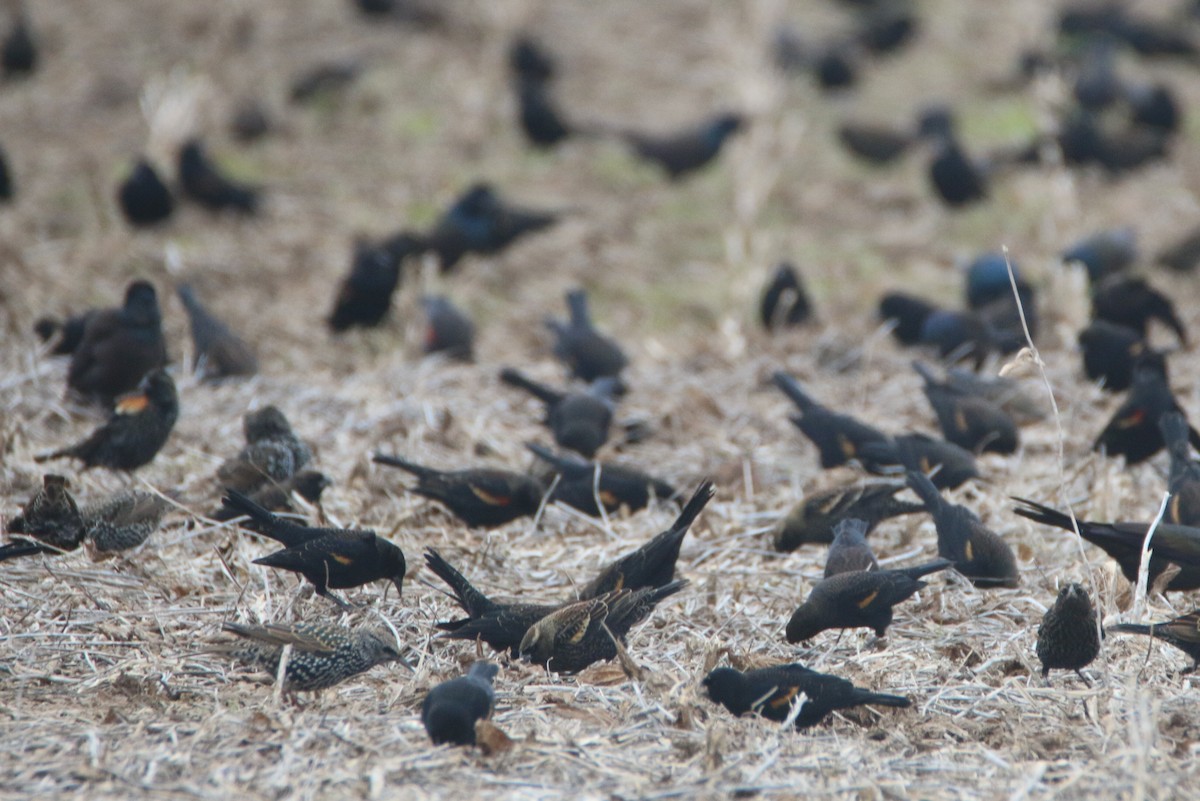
(1175, 430)
(919, 483)
(925, 373)
(473, 602)
(1043, 514)
(559, 463)
(791, 388)
(19, 548)
(267, 523)
(420, 471)
(883, 699)
(917, 571)
(515, 378)
(692, 509)
(1132, 628)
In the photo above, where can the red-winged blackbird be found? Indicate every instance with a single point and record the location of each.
(1004, 392)
(953, 465)
(499, 624)
(451, 709)
(119, 346)
(447, 329)
(579, 421)
(588, 353)
(1123, 542)
(219, 352)
(909, 314)
(978, 553)
(653, 564)
(686, 151)
(144, 199)
(480, 497)
(616, 485)
(838, 437)
(784, 301)
(1109, 352)
(330, 558)
(481, 222)
(69, 331)
(1133, 303)
(849, 550)
(327, 78)
(135, 432)
(1132, 431)
(273, 452)
(49, 522)
(322, 655)
(202, 182)
(365, 294)
(771, 691)
(18, 53)
(814, 518)
(1184, 480)
(1068, 638)
(541, 120)
(1183, 632)
(969, 421)
(277, 497)
(577, 635)
(860, 599)
(122, 522)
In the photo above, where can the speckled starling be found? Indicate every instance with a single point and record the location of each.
(616, 486)
(49, 522)
(448, 330)
(969, 421)
(953, 465)
(273, 452)
(1068, 638)
(838, 437)
(1183, 632)
(588, 353)
(122, 521)
(684, 152)
(480, 497)
(850, 550)
(119, 347)
(579, 421)
(1183, 482)
(452, 708)
(219, 352)
(784, 302)
(203, 183)
(814, 518)
(771, 691)
(277, 496)
(144, 199)
(1133, 431)
(978, 553)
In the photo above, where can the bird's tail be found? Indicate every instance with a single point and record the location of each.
(791, 388)
(515, 378)
(917, 571)
(919, 483)
(420, 471)
(881, 699)
(19, 548)
(693, 507)
(1043, 514)
(473, 602)
(268, 523)
(1132, 628)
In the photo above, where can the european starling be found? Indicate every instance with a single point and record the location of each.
(119, 346)
(1132, 431)
(201, 182)
(954, 465)
(977, 552)
(577, 635)
(617, 485)
(909, 314)
(587, 352)
(1104, 253)
(49, 522)
(1183, 255)
(541, 120)
(123, 521)
(272, 453)
(144, 199)
(784, 301)
(653, 564)
(365, 295)
(219, 352)
(838, 437)
(1183, 482)
(447, 329)
(452, 708)
(330, 558)
(1183, 632)
(277, 496)
(849, 550)
(771, 691)
(480, 497)
(481, 222)
(969, 421)
(135, 432)
(859, 599)
(815, 517)
(1067, 638)
(579, 421)
(686, 151)
(322, 655)
(1109, 352)
(1123, 542)
(18, 53)
(499, 624)
(1133, 303)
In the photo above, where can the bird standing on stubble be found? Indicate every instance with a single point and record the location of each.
(838, 437)
(144, 199)
(1068, 638)
(588, 353)
(579, 421)
(978, 553)
(814, 518)
(1183, 482)
(49, 522)
(480, 497)
(617, 485)
(686, 151)
(119, 346)
(219, 352)
(203, 183)
(452, 708)
(850, 550)
(272, 453)
(1133, 430)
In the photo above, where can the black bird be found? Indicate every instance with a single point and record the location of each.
(528, 60)
(135, 432)
(365, 295)
(1132, 431)
(19, 52)
(49, 522)
(1183, 482)
(1104, 253)
(588, 353)
(957, 178)
(330, 558)
(969, 421)
(7, 183)
(1183, 632)
(1123, 542)
(859, 599)
(277, 496)
(579, 421)
(987, 280)
(272, 453)
(452, 708)
(875, 144)
(219, 352)
(784, 301)
(977, 552)
(119, 346)
(958, 335)
(1133, 303)
(541, 120)
(479, 221)
(850, 550)
(653, 564)
(1068, 638)
(954, 465)
(1005, 392)
(144, 199)
(815, 517)
(617, 485)
(203, 183)
(909, 314)
(838, 437)
(447, 329)
(684, 152)
(1109, 352)
(480, 497)
(771, 691)
(69, 331)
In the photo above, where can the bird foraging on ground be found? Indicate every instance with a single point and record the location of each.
(784, 302)
(479, 221)
(452, 708)
(122, 521)
(970, 421)
(144, 199)
(1183, 632)
(838, 437)
(1068, 638)
(686, 151)
(772, 691)
(119, 346)
(579, 421)
(480, 497)
(581, 488)
(202, 182)
(364, 297)
(946, 464)
(277, 496)
(908, 313)
(850, 550)
(977, 552)
(448, 330)
(1183, 482)
(588, 353)
(49, 522)
(1109, 352)
(1133, 430)
(1133, 303)
(219, 352)
(273, 453)
(815, 517)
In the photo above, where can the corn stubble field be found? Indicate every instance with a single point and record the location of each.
(103, 689)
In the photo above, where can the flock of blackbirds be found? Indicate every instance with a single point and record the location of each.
(118, 359)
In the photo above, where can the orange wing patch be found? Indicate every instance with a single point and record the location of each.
(342, 559)
(1135, 418)
(609, 500)
(489, 498)
(846, 445)
(133, 404)
(960, 420)
(785, 697)
(970, 552)
(867, 601)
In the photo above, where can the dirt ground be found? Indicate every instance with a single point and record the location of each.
(103, 691)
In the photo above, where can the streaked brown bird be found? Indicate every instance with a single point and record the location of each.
(272, 454)
(815, 517)
(49, 522)
(119, 347)
(219, 352)
(480, 497)
(977, 552)
(277, 496)
(122, 521)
